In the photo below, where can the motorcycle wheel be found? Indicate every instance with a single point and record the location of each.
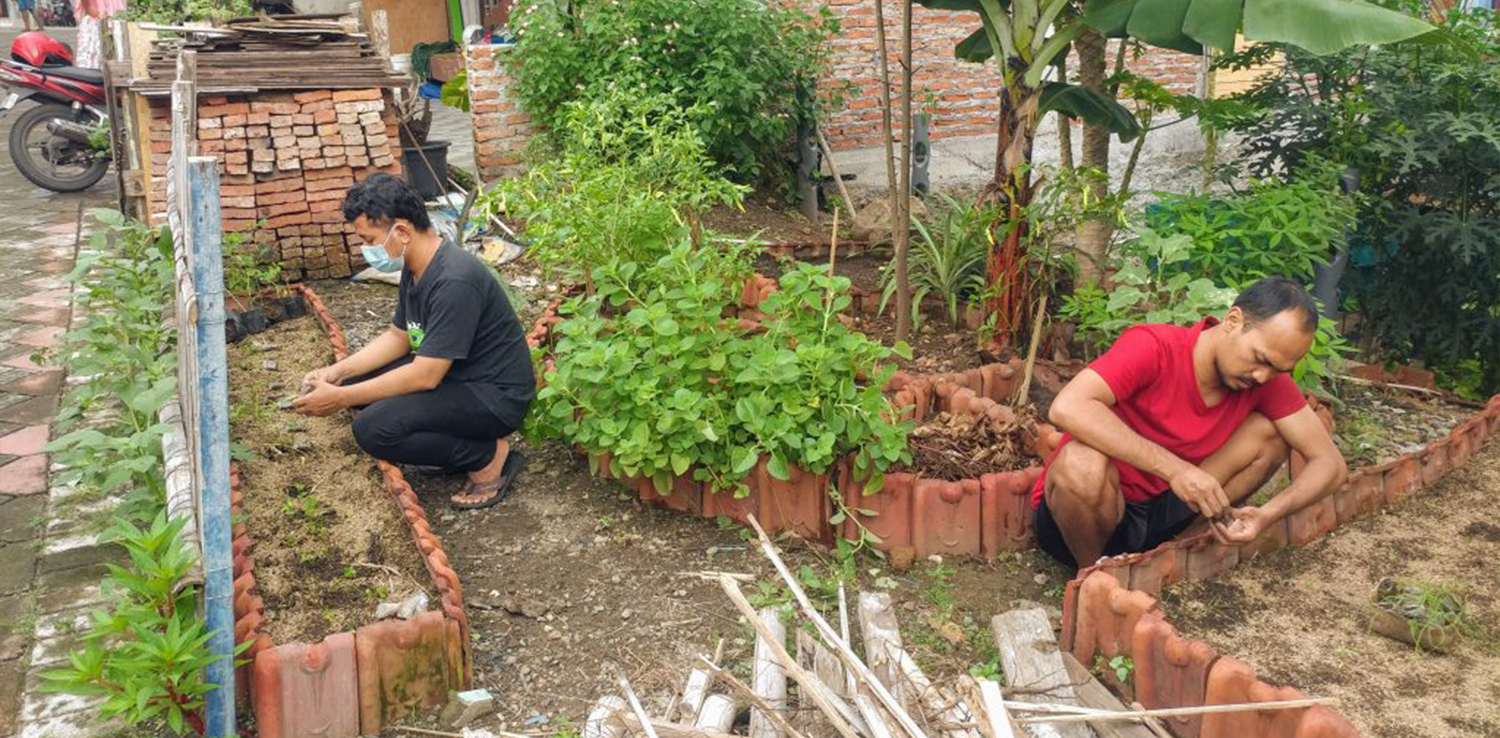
(48, 160)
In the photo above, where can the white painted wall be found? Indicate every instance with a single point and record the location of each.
(321, 6)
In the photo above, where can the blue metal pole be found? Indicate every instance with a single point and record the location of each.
(207, 248)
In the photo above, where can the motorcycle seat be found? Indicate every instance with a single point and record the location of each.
(81, 74)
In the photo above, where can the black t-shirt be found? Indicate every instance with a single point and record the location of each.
(458, 311)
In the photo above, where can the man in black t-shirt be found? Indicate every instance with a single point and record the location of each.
(452, 376)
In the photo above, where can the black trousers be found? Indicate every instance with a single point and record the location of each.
(449, 427)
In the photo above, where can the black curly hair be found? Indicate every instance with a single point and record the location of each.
(384, 198)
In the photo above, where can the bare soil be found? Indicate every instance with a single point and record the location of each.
(1377, 424)
(1297, 615)
(330, 542)
(572, 574)
(951, 447)
(769, 220)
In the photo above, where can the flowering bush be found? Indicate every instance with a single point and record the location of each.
(742, 67)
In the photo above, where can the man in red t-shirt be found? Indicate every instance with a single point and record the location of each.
(1175, 423)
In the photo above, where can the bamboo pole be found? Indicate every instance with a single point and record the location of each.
(1108, 716)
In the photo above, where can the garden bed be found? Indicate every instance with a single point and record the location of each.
(332, 543)
(1318, 638)
(323, 535)
(1378, 423)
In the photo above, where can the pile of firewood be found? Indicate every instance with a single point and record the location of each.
(882, 693)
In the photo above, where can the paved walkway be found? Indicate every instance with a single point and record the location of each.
(49, 567)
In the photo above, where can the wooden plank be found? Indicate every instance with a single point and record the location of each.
(1093, 693)
(768, 679)
(1034, 668)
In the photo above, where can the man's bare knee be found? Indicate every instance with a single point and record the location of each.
(1081, 476)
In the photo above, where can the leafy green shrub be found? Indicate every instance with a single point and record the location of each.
(660, 379)
(1277, 228)
(947, 259)
(1155, 285)
(739, 66)
(146, 656)
(1422, 125)
(174, 12)
(125, 349)
(1151, 286)
(629, 178)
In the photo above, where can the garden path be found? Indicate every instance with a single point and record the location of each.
(50, 565)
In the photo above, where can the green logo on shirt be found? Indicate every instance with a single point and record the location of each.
(414, 335)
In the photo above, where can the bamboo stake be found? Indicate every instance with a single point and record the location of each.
(755, 699)
(841, 646)
(1392, 385)
(811, 687)
(834, 169)
(1024, 390)
(994, 710)
(849, 684)
(1109, 716)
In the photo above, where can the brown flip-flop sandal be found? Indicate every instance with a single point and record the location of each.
(495, 491)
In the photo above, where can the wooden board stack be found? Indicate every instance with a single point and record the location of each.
(276, 53)
(287, 159)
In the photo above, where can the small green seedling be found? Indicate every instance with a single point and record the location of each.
(1121, 666)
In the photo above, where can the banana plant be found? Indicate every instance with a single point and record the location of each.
(1030, 37)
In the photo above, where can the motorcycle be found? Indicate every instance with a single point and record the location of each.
(57, 143)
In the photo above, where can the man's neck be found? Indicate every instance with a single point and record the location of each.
(420, 252)
(1204, 371)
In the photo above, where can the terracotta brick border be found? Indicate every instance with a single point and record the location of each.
(1110, 609)
(356, 683)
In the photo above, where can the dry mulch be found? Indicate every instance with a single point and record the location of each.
(953, 447)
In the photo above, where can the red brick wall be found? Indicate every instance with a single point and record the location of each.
(962, 97)
(500, 128)
(287, 159)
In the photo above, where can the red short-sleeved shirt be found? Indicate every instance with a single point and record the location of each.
(1150, 370)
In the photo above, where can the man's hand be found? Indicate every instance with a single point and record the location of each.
(1247, 525)
(1200, 491)
(328, 374)
(323, 399)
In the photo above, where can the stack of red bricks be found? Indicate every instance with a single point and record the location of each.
(287, 158)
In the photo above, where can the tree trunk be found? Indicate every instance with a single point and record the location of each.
(1093, 241)
(901, 229)
(903, 285)
(1005, 273)
(1064, 123)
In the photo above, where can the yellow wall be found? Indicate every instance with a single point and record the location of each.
(411, 21)
(1228, 82)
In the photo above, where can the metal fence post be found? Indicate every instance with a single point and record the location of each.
(207, 262)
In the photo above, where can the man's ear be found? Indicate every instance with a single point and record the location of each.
(1234, 320)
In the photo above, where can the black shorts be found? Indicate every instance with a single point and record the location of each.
(1144, 526)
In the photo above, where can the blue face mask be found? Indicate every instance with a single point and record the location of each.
(379, 259)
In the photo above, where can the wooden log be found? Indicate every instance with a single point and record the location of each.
(1093, 693)
(757, 701)
(1032, 661)
(693, 695)
(767, 676)
(717, 714)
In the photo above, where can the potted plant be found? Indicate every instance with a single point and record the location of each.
(254, 296)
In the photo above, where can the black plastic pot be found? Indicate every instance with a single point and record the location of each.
(293, 306)
(427, 168)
